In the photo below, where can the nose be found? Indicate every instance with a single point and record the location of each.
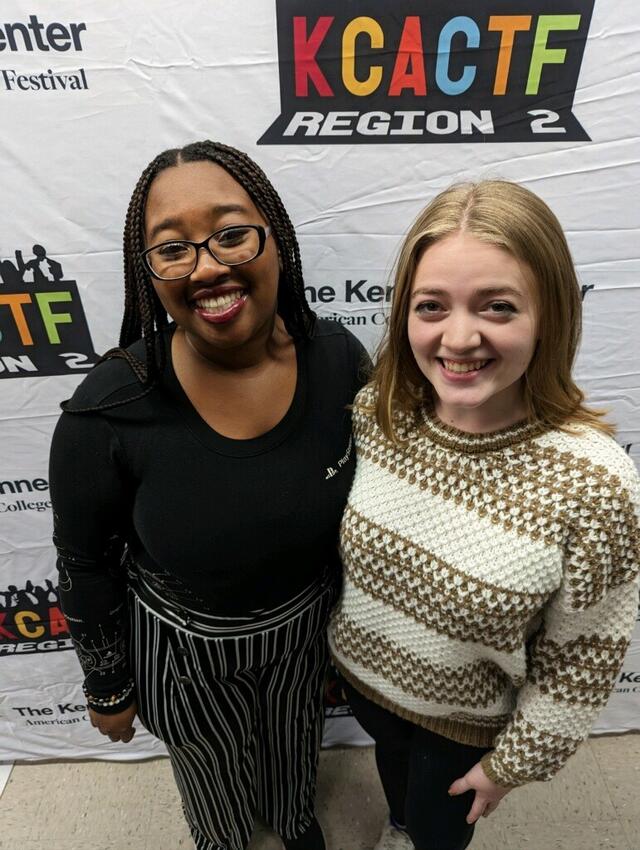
(207, 266)
(461, 333)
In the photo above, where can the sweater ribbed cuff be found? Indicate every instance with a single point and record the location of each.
(486, 762)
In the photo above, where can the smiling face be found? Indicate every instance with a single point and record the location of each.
(218, 306)
(472, 331)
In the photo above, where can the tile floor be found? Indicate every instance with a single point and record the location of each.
(592, 805)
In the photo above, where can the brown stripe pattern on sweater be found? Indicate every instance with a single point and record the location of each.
(431, 591)
(490, 582)
(532, 492)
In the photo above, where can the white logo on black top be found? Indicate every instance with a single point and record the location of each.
(331, 470)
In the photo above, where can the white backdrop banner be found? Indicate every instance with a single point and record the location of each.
(360, 112)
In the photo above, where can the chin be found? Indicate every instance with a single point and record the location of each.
(463, 400)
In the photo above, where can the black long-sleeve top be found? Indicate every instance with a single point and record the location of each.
(231, 525)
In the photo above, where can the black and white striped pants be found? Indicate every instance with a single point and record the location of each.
(238, 702)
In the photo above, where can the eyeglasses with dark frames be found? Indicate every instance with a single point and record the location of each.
(230, 246)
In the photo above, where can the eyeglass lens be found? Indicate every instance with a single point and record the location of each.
(231, 246)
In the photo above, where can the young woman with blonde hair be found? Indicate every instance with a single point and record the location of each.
(491, 540)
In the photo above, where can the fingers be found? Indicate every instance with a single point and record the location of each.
(124, 735)
(477, 809)
(490, 807)
(116, 727)
(460, 786)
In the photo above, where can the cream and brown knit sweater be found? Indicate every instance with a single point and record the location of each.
(490, 583)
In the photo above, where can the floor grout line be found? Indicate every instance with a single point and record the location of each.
(609, 794)
(604, 778)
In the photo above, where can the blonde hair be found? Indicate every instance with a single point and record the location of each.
(511, 217)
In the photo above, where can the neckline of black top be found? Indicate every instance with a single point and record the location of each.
(215, 442)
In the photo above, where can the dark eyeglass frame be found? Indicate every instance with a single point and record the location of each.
(262, 231)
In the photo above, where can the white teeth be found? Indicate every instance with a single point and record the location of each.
(471, 366)
(221, 302)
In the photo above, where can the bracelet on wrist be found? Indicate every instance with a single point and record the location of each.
(110, 701)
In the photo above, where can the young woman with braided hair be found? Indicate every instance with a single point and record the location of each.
(195, 519)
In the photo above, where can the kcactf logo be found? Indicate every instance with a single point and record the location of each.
(43, 329)
(410, 71)
(31, 620)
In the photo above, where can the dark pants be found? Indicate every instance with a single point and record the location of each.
(239, 708)
(416, 768)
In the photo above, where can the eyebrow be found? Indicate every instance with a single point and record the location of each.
(485, 291)
(170, 223)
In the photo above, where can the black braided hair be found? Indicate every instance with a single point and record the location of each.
(144, 316)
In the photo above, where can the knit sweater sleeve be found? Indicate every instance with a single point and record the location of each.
(577, 653)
